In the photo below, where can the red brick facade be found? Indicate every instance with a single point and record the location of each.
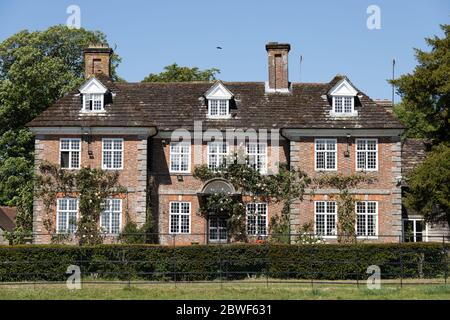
(132, 176)
(152, 111)
(383, 189)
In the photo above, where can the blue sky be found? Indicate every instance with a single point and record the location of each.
(332, 36)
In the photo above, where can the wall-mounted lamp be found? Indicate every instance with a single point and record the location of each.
(180, 178)
(347, 152)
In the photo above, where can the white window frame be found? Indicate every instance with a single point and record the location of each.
(180, 214)
(94, 97)
(188, 170)
(221, 156)
(262, 170)
(113, 151)
(67, 212)
(70, 150)
(366, 151)
(342, 99)
(110, 212)
(218, 229)
(366, 219)
(219, 115)
(325, 214)
(424, 231)
(257, 216)
(325, 152)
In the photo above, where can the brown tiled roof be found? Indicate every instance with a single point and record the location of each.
(7, 218)
(383, 102)
(169, 106)
(413, 153)
(66, 111)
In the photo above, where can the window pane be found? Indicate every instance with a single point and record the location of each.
(371, 160)
(330, 160)
(325, 218)
(174, 225)
(213, 107)
(175, 207)
(320, 224)
(223, 108)
(184, 224)
(325, 154)
(104, 221)
(371, 225)
(360, 225)
(361, 145)
(331, 224)
(185, 207)
(65, 144)
(117, 160)
(65, 159)
(117, 144)
(107, 144)
(320, 160)
(331, 207)
(107, 159)
(180, 217)
(179, 157)
(371, 145)
(75, 159)
(251, 224)
(320, 145)
(338, 104)
(361, 160)
(366, 218)
(348, 104)
(75, 144)
(115, 222)
(256, 153)
(62, 221)
(331, 145)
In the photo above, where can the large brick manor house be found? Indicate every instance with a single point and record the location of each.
(135, 128)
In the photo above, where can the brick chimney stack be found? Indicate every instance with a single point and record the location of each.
(278, 66)
(97, 60)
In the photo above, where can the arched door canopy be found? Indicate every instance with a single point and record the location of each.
(218, 185)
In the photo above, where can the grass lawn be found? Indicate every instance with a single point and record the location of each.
(231, 290)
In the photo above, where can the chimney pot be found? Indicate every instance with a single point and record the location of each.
(278, 66)
(97, 60)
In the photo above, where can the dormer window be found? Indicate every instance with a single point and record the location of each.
(343, 96)
(93, 93)
(93, 102)
(218, 97)
(218, 108)
(343, 104)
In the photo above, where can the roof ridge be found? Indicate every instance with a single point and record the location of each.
(189, 82)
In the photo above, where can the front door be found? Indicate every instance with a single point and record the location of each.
(217, 230)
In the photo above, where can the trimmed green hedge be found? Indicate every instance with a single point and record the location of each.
(235, 261)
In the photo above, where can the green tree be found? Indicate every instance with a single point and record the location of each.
(36, 69)
(425, 93)
(175, 73)
(429, 186)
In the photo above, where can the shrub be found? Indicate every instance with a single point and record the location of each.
(235, 261)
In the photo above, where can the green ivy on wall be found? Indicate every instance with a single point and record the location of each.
(91, 186)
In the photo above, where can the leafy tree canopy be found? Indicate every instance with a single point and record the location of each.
(175, 73)
(429, 185)
(425, 93)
